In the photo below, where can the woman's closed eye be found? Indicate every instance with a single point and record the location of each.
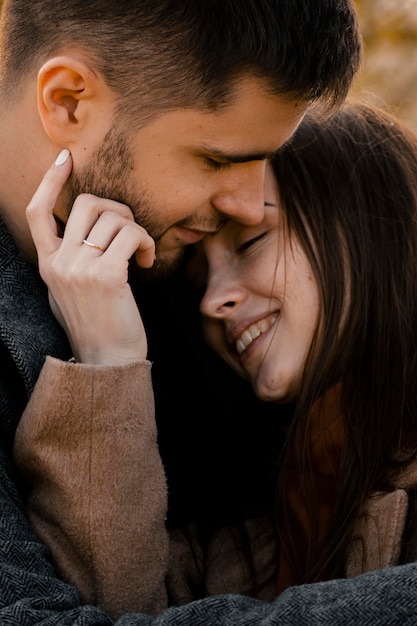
(246, 245)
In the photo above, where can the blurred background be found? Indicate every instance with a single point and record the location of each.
(388, 76)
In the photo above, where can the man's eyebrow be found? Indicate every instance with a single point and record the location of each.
(236, 158)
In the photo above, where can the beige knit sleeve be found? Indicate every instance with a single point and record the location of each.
(87, 450)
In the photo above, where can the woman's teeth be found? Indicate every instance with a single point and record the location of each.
(251, 333)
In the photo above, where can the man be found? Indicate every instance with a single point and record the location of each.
(167, 108)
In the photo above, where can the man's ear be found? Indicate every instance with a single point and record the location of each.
(70, 97)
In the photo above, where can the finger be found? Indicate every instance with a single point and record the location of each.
(92, 212)
(131, 240)
(145, 253)
(39, 212)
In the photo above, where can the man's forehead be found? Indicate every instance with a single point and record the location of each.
(239, 132)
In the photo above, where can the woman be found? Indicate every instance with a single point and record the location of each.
(316, 307)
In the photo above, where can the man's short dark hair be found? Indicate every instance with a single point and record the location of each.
(160, 54)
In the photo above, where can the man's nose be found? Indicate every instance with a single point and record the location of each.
(242, 194)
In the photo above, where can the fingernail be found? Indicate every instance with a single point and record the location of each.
(62, 157)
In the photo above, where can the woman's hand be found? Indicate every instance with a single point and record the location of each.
(86, 270)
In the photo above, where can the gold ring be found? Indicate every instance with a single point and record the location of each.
(93, 245)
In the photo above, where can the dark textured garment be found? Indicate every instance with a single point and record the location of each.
(31, 593)
(28, 332)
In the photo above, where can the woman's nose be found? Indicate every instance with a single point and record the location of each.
(220, 298)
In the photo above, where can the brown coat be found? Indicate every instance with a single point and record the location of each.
(98, 498)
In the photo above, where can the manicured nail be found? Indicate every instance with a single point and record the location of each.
(62, 157)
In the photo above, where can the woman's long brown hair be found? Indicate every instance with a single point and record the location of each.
(348, 186)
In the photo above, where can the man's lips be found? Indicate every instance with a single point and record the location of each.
(189, 236)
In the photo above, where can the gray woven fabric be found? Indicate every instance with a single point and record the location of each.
(28, 332)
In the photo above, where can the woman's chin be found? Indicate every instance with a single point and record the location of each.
(267, 391)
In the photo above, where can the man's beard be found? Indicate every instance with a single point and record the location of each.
(108, 175)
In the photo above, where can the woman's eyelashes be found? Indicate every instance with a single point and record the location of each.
(249, 243)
